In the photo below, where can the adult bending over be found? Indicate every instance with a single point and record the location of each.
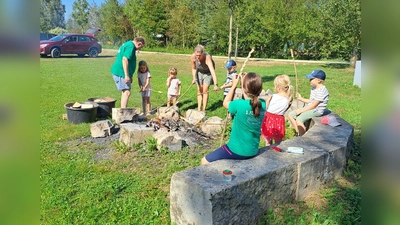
(124, 66)
(203, 72)
(246, 128)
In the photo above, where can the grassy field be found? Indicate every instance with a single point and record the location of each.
(132, 186)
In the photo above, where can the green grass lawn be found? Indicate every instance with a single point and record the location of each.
(132, 187)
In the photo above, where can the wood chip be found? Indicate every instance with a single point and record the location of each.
(76, 105)
(86, 106)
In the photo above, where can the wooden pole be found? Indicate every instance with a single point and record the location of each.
(295, 72)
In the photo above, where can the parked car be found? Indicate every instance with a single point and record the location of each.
(46, 36)
(80, 44)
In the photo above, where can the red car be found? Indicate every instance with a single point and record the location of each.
(80, 44)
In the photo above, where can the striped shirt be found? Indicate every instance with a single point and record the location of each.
(322, 95)
(229, 78)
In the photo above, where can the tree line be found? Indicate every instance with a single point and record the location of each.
(314, 29)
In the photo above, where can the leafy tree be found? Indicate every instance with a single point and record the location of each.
(58, 31)
(80, 13)
(341, 28)
(116, 25)
(182, 29)
(51, 15)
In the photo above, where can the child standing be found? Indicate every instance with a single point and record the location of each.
(273, 126)
(315, 106)
(246, 128)
(145, 86)
(231, 71)
(174, 86)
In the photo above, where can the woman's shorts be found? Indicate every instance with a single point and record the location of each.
(204, 78)
(303, 117)
(120, 83)
(224, 153)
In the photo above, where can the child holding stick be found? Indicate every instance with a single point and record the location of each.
(145, 86)
(174, 86)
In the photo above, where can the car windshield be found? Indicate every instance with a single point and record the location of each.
(59, 37)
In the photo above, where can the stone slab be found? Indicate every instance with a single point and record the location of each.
(131, 133)
(199, 195)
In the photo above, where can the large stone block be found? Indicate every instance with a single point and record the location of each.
(199, 195)
(120, 115)
(131, 133)
(171, 140)
(213, 126)
(194, 116)
(101, 128)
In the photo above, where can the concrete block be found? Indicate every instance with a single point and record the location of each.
(194, 116)
(120, 115)
(131, 133)
(171, 140)
(213, 126)
(168, 113)
(200, 196)
(101, 128)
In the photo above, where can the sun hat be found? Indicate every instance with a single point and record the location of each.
(330, 120)
(230, 64)
(316, 74)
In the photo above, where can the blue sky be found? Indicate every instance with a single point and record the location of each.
(68, 6)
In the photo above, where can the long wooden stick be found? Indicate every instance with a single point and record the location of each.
(247, 59)
(177, 100)
(295, 72)
(227, 112)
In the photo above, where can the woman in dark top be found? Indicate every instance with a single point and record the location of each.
(203, 72)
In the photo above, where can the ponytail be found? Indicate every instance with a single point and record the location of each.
(252, 83)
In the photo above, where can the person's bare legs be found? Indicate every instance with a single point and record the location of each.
(169, 102)
(204, 161)
(124, 97)
(174, 102)
(293, 122)
(144, 105)
(199, 96)
(205, 96)
(147, 105)
(301, 128)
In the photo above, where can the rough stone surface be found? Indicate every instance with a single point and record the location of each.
(131, 133)
(194, 116)
(200, 196)
(171, 140)
(212, 126)
(168, 113)
(120, 115)
(101, 128)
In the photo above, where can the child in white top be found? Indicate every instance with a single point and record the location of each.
(145, 86)
(273, 126)
(174, 86)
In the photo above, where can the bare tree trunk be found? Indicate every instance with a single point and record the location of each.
(236, 44)
(230, 37)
